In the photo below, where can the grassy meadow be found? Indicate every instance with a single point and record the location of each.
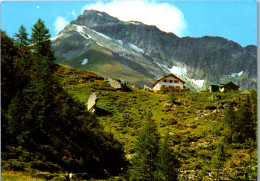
(18, 176)
(194, 121)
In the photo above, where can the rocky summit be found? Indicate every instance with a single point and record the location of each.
(139, 53)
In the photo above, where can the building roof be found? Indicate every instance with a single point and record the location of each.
(166, 77)
(223, 85)
(231, 84)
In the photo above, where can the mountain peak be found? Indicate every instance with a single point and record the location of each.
(150, 52)
(92, 18)
(93, 12)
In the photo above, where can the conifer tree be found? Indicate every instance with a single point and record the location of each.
(146, 149)
(253, 100)
(230, 120)
(40, 39)
(242, 122)
(9, 54)
(167, 161)
(41, 117)
(32, 105)
(219, 157)
(21, 37)
(246, 124)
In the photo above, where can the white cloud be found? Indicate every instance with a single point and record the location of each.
(74, 14)
(60, 23)
(165, 16)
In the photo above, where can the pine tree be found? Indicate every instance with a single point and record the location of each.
(242, 122)
(9, 53)
(167, 161)
(246, 125)
(33, 104)
(146, 149)
(219, 157)
(253, 100)
(40, 39)
(230, 121)
(21, 37)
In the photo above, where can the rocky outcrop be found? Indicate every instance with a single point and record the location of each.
(91, 103)
(117, 84)
(167, 104)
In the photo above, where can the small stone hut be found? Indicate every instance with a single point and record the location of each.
(230, 86)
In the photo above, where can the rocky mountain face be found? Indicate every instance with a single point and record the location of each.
(139, 53)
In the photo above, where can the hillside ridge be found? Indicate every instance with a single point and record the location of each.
(195, 122)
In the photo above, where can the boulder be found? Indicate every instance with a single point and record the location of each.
(167, 105)
(108, 79)
(117, 84)
(92, 100)
(113, 82)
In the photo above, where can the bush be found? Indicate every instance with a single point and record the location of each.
(172, 98)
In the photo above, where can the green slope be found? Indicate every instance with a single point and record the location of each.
(195, 123)
(103, 62)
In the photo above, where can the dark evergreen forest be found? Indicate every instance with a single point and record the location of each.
(42, 123)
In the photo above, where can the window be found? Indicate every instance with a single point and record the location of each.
(170, 81)
(178, 87)
(176, 81)
(164, 80)
(171, 87)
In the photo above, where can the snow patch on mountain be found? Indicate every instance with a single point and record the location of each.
(136, 48)
(99, 44)
(106, 41)
(163, 66)
(81, 31)
(135, 23)
(178, 70)
(181, 72)
(85, 61)
(107, 37)
(85, 36)
(198, 82)
(120, 42)
(237, 74)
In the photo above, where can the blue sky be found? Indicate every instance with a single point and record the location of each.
(233, 20)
